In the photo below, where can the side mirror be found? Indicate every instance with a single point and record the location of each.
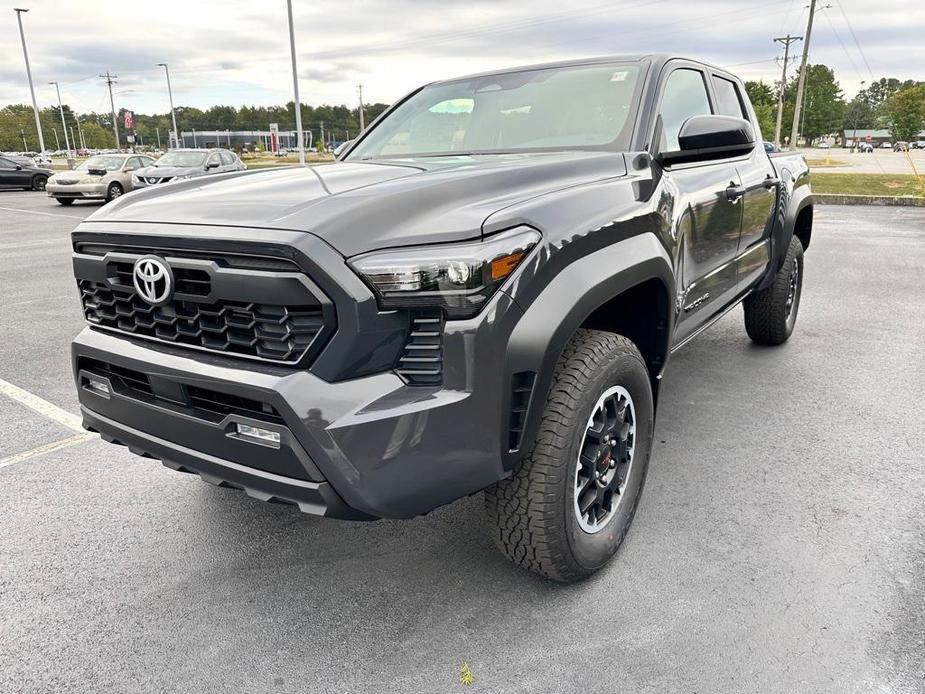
(212, 165)
(711, 137)
(127, 169)
(341, 148)
(19, 167)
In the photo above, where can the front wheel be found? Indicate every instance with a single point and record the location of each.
(113, 191)
(771, 314)
(39, 182)
(566, 509)
(65, 201)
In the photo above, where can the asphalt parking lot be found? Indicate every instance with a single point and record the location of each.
(779, 545)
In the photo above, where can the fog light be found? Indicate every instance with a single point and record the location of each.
(258, 435)
(97, 386)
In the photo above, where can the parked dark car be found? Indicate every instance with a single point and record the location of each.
(180, 164)
(482, 294)
(21, 172)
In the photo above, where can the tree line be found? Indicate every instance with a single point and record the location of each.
(888, 103)
(17, 123)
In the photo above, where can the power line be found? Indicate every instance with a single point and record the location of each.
(855, 37)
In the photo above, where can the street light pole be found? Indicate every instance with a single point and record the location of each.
(173, 115)
(362, 126)
(25, 55)
(67, 142)
(295, 87)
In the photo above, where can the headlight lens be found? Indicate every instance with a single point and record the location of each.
(135, 180)
(459, 278)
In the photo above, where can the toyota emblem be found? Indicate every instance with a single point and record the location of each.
(153, 279)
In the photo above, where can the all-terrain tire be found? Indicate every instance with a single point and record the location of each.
(771, 314)
(533, 515)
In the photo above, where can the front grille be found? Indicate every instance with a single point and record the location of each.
(231, 260)
(187, 280)
(280, 333)
(421, 361)
(152, 180)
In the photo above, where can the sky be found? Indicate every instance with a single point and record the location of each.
(237, 51)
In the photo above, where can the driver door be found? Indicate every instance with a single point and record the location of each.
(707, 215)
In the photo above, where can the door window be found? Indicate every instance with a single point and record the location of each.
(728, 101)
(227, 158)
(685, 95)
(6, 164)
(214, 160)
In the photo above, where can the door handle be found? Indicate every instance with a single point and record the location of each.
(734, 192)
(771, 182)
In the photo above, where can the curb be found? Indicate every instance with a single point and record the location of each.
(881, 200)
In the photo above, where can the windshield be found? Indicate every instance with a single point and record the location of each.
(108, 163)
(181, 159)
(583, 107)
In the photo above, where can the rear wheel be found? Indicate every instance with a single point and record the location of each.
(565, 511)
(771, 314)
(39, 181)
(65, 201)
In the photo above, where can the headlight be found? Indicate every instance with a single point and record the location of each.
(181, 178)
(135, 180)
(459, 278)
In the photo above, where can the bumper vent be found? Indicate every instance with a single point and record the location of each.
(278, 333)
(521, 391)
(421, 361)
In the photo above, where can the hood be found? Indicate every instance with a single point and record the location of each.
(363, 206)
(167, 171)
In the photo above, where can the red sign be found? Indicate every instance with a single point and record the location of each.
(129, 119)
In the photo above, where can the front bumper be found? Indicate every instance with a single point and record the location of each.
(86, 191)
(362, 448)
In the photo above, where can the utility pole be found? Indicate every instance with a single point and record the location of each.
(25, 54)
(323, 144)
(362, 126)
(80, 133)
(110, 79)
(158, 131)
(173, 115)
(25, 148)
(786, 40)
(295, 88)
(67, 142)
(801, 85)
(57, 142)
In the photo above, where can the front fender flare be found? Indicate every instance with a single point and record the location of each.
(539, 337)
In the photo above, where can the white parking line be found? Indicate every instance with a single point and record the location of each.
(53, 412)
(47, 214)
(43, 407)
(46, 448)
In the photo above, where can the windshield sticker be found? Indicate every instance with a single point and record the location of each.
(619, 76)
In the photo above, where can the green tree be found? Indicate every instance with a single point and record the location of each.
(906, 111)
(823, 105)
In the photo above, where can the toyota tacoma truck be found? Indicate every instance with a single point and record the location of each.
(481, 295)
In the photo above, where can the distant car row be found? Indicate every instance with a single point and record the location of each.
(107, 176)
(895, 146)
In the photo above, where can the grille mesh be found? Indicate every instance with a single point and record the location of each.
(279, 333)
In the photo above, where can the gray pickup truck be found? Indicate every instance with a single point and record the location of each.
(480, 295)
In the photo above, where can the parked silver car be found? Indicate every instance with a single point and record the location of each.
(179, 164)
(103, 177)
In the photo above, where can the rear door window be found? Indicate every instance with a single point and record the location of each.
(728, 99)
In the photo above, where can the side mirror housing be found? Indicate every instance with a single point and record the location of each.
(19, 167)
(711, 137)
(341, 148)
(212, 165)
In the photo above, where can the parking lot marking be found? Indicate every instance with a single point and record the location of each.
(45, 448)
(43, 407)
(47, 214)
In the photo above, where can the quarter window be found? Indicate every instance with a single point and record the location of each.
(685, 95)
(728, 101)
